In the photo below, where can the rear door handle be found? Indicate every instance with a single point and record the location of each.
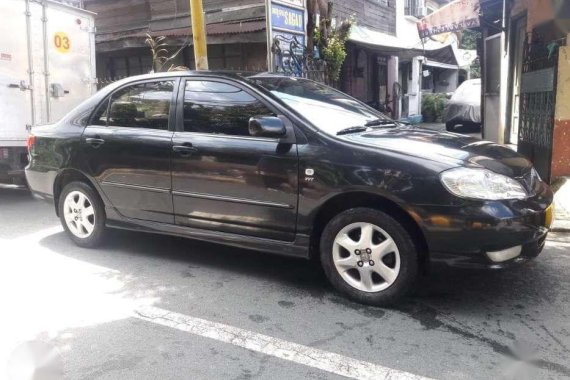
(94, 142)
(184, 150)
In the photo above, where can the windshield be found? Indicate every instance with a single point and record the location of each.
(326, 108)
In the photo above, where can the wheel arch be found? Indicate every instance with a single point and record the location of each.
(345, 201)
(65, 177)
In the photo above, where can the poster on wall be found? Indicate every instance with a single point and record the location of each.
(455, 16)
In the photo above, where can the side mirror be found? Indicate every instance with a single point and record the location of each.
(266, 126)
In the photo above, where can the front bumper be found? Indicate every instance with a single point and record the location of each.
(488, 234)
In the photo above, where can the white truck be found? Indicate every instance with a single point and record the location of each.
(47, 66)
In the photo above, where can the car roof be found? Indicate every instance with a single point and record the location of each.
(234, 74)
(229, 74)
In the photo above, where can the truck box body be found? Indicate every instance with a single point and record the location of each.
(47, 66)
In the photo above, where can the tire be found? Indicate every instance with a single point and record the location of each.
(449, 126)
(388, 239)
(83, 216)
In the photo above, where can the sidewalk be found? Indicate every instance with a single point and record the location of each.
(562, 207)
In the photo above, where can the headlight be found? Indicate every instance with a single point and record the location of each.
(481, 184)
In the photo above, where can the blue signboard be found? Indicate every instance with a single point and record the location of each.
(286, 36)
(286, 18)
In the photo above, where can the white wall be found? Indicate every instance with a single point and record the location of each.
(449, 76)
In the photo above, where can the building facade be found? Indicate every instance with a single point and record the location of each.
(525, 71)
(235, 34)
(387, 65)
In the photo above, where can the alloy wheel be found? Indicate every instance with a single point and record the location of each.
(79, 214)
(366, 257)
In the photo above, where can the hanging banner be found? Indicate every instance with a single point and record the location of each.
(455, 16)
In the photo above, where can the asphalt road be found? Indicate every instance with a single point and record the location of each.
(460, 324)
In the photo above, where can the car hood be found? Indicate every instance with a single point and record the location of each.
(448, 148)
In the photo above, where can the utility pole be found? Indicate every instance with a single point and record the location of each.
(199, 35)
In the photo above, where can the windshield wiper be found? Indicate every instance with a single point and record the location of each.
(374, 122)
(348, 130)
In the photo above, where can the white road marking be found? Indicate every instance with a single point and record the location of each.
(297, 353)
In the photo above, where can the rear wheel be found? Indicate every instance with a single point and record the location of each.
(369, 256)
(82, 214)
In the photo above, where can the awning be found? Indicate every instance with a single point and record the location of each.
(387, 44)
(431, 63)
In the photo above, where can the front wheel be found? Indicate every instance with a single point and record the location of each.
(82, 214)
(449, 126)
(369, 256)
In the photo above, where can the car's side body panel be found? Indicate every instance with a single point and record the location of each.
(233, 183)
(132, 167)
(240, 185)
(130, 159)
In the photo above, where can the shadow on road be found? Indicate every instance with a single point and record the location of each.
(517, 289)
(486, 308)
(121, 246)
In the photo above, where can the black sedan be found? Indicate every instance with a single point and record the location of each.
(288, 166)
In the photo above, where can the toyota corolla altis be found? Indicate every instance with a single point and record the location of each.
(288, 166)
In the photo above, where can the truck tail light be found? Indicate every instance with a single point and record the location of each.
(31, 142)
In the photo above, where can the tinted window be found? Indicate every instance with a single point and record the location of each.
(219, 108)
(144, 105)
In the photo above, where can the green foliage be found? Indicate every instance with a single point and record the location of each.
(433, 106)
(334, 55)
(475, 69)
(330, 41)
(469, 41)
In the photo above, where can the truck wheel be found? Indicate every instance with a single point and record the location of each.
(368, 255)
(450, 127)
(82, 214)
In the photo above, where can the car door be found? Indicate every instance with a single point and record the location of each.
(224, 179)
(127, 149)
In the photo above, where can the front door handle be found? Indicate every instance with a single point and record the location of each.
(94, 142)
(185, 150)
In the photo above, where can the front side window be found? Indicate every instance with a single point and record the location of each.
(219, 108)
(144, 105)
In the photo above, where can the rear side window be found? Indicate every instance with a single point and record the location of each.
(219, 108)
(144, 105)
